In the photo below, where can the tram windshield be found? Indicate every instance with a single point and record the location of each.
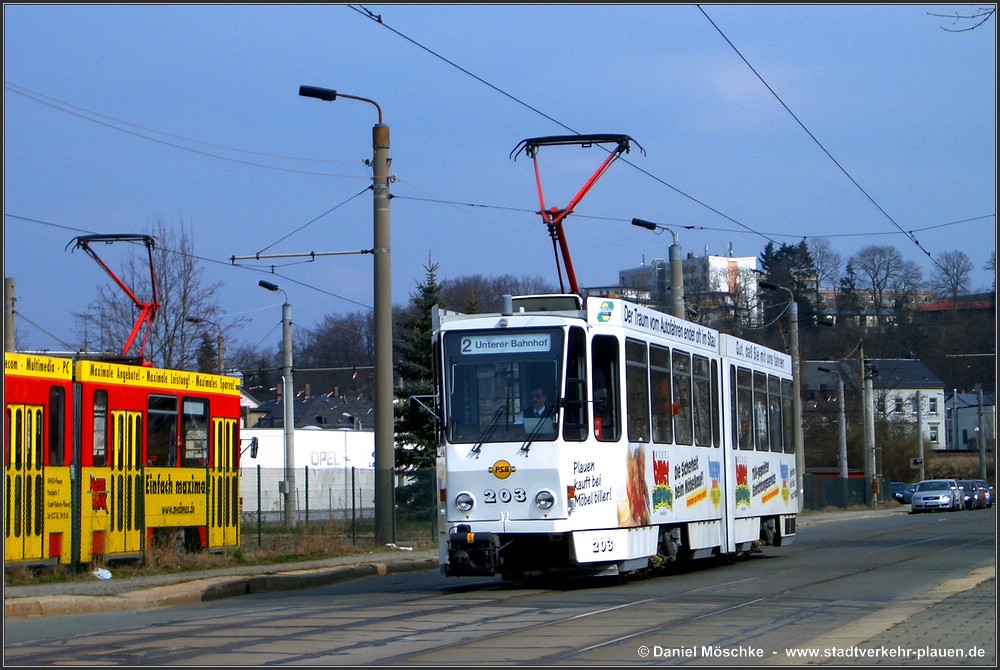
(503, 386)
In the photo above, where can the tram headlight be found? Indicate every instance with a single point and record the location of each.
(545, 499)
(464, 502)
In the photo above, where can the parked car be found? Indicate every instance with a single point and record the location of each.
(903, 497)
(936, 494)
(987, 491)
(972, 497)
(983, 491)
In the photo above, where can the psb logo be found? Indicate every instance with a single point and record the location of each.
(502, 470)
(604, 313)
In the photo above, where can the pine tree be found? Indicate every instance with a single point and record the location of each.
(416, 424)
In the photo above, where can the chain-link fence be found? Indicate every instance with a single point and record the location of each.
(340, 499)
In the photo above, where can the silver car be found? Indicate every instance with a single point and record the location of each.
(936, 494)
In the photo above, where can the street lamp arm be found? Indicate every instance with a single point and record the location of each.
(775, 287)
(649, 225)
(677, 307)
(329, 95)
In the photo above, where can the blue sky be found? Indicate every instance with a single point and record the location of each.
(871, 122)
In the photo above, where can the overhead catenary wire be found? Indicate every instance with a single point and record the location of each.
(143, 132)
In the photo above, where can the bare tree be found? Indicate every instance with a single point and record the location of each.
(826, 261)
(723, 298)
(953, 280)
(476, 293)
(903, 287)
(965, 22)
(880, 268)
(338, 355)
(174, 342)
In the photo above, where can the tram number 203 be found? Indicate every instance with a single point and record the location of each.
(504, 496)
(602, 545)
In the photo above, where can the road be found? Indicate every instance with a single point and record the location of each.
(841, 583)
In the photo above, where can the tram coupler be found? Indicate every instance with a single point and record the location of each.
(472, 554)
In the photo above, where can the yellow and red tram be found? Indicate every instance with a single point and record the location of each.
(103, 459)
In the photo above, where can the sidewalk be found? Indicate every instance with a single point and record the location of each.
(139, 593)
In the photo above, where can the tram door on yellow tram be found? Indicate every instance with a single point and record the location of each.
(224, 486)
(122, 506)
(24, 486)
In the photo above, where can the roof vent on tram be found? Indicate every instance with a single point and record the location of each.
(556, 302)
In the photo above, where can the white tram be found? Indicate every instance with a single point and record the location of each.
(664, 440)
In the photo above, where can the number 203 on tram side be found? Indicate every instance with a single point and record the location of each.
(606, 438)
(102, 460)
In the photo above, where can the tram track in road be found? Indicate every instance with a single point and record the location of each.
(476, 619)
(802, 596)
(793, 605)
(359, 628)
(520, 627)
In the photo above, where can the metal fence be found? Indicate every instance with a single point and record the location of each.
(823, 492)
(333, 496)
(344, 500)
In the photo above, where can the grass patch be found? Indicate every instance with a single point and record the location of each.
(273, 545)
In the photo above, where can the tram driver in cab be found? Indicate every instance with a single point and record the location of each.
(538, 407)
(535, 409)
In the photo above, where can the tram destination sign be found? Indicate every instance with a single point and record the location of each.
(513, 343)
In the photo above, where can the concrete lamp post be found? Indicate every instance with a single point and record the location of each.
(793, 351)
(287, 487)
(385, 455)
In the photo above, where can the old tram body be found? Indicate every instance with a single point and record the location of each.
(666, 440)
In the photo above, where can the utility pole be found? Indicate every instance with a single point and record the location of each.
(385, 454)
(793, 351)
(800, 452)
(871, 481)
(980, 433)
(8, 314)
(841, 434)
(954, 419)
(219, 342)
(920, 435)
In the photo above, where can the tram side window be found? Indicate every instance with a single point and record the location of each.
(637, 390)
(161, 431)
(744, 408)
(575, 411)
(716, 407)
(194, 428)
(788, 416)
(760, 411)
(607, 414)
(683, 431)
(234, 445)
(14, 437)
(57, 427)
(659, 384)
(702, 402)
(100, 442)
(33, 458)
(774, 413)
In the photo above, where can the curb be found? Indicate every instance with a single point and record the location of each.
(203, 590)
